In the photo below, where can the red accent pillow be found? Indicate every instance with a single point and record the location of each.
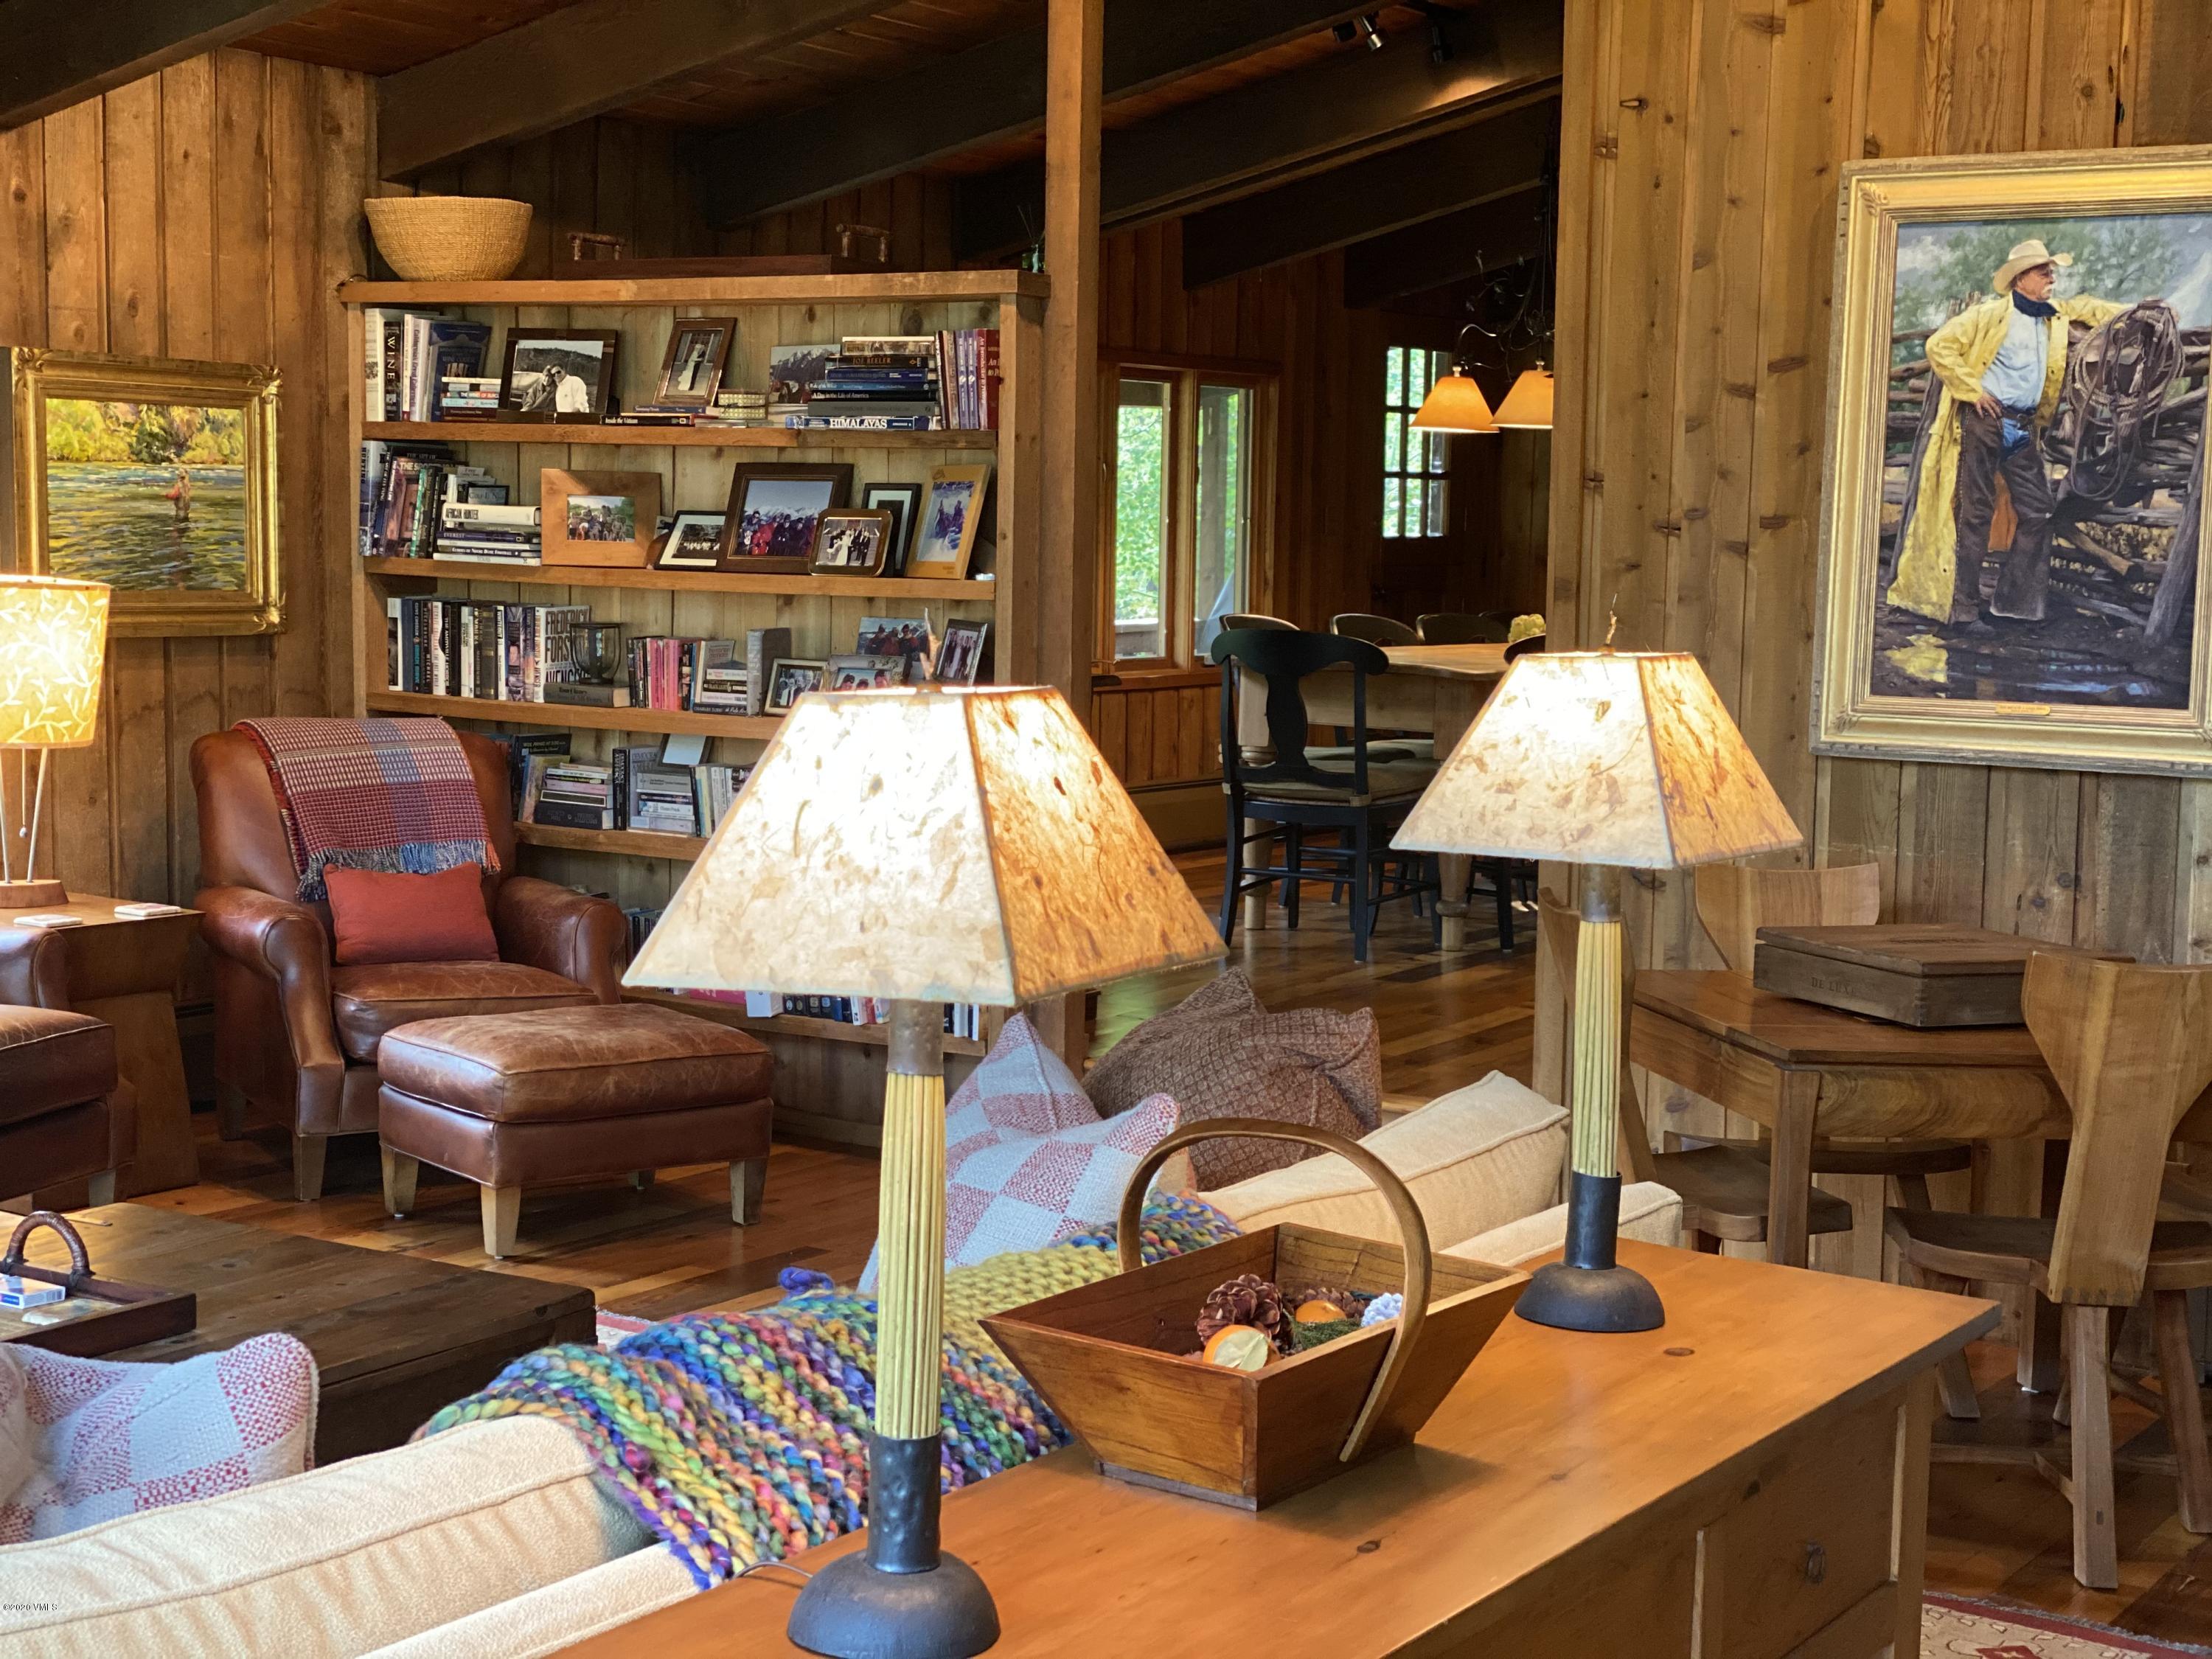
(376, 917)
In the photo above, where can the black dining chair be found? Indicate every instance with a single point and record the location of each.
(1375, 630)
(1462, 628)
(1356, 795)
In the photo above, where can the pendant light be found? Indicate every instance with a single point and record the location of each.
(1455, 403)
(1528, 406)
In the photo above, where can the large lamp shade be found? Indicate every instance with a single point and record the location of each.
(1605, 759)
(1528, 404)
(1455, 404)
(925, 846)
(53, 643)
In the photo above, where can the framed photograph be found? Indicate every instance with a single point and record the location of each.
(694, 542)
(599, 517)
(773, 510)
(792, 369)
(906, 638)
(903, 502)
(951, 520)
(558, 373)
(2015, 465)
(851, 541)
(156, 475)
(790, 678)
(691, 374)
(960, 656)
(865, 673)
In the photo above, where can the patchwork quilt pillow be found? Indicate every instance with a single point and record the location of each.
(87, 1440)
(1028, 1160)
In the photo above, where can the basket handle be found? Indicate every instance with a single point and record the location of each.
(1413, 1235)
(80, 1272)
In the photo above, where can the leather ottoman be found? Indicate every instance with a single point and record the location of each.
(560, 1094)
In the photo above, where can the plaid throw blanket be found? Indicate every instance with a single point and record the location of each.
(395, 795)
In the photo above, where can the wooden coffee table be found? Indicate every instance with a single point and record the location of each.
(394, 1337)
(1749, 1482)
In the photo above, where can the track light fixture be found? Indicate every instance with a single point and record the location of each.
(1368, 29)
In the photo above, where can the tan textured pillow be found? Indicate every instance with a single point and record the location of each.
(1221, 1053)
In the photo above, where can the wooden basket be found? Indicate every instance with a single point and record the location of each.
(1110, 1359)
(120, 1315)
(450, 238)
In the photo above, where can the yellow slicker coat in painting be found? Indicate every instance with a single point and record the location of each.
(1959, 352)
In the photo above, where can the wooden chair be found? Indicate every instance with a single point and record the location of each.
(1375, 630)
(2132, 1049)
(1734, 902)
(1461, 628)
(1722, 1187)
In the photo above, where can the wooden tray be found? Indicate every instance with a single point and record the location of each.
(120, 1315)
(1109, 1357)
(1922, 974)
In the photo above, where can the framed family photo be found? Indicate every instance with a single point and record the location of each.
(773, 512)
(691, 372)
(558, 373)
(951, 520)
(2015, 481)
(851, 541)
(156, 475)
(790, 678)
(610, 518)
(694, 542)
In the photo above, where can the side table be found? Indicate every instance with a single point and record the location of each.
(124, 970)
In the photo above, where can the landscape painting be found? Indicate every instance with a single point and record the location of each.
(155, 476)
(2015, 473)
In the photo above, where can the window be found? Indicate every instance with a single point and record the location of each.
(1180, 521)
(1412, 462)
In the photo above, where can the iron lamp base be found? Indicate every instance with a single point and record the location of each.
(853, 1610)
(1590, 1290)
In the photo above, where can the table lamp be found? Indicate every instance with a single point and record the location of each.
(924, 846)
(54, 640)
(1608, 760)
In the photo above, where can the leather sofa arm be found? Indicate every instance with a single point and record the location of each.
(34, 971)
(286, 943)
(548, 925)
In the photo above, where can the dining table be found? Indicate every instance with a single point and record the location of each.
(1433, 688)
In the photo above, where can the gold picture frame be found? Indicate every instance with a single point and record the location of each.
(93, 436)
(2072, 634)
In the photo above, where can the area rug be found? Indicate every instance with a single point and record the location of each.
(1952, 1628)
(613, 1327)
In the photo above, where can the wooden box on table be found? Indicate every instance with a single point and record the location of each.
(1922, 974)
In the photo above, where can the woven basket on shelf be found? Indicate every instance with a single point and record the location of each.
(450, 238)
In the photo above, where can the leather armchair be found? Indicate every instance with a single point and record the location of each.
(65, 1113)
(296, 1035)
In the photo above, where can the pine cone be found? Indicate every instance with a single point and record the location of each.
(1250, 1300)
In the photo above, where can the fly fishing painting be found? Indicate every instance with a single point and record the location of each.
(2015, 461)
(157, 477)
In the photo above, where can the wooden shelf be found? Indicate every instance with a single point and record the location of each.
(687, 581)
(573, 715)
(912, 288)
(639, 843)
(833, 1030)
(695, 437)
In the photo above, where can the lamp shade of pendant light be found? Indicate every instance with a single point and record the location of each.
(1455, 404)
(1529, 405)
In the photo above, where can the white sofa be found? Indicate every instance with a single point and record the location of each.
(493, 1540)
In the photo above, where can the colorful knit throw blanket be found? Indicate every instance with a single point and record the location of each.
(395, 795)
(738, 1438)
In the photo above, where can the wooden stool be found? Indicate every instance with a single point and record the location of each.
(2132, 1049)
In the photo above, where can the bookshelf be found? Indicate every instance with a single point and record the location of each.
(828, 1076)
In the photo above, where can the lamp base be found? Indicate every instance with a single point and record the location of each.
(1590, 1290)
(32, 895)
(853, 1610)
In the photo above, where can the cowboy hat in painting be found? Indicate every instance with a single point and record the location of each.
(2025, 256)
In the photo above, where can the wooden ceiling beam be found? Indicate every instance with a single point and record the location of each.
(572, 65)
(1488, 237)
(59, 53)
(992, 91)
(1346, 105)
(1384, 193)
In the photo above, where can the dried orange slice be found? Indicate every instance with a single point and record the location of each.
(1239, 1347)
(1319, 1312)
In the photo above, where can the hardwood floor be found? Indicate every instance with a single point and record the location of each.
(1993, 1531)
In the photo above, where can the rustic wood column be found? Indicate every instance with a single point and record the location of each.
(1067, 571)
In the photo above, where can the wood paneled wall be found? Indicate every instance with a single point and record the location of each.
(208, 211)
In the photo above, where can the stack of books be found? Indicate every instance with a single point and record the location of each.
(468, 397)
(876, 383)
(489, 531)
(967, 369)
(485, 648)
(653, 794)
(409, 354)
(404, 491)
(736, 409)
(573, 795)
(691, 676)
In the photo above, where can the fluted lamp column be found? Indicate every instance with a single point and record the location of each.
(922, 845)
(53, 644)
(1608, 760)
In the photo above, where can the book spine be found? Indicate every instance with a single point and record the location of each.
(990, 420)
(387, 397)
(618, 789)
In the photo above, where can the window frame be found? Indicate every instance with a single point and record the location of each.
(1437, 478)
(1185, 375)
